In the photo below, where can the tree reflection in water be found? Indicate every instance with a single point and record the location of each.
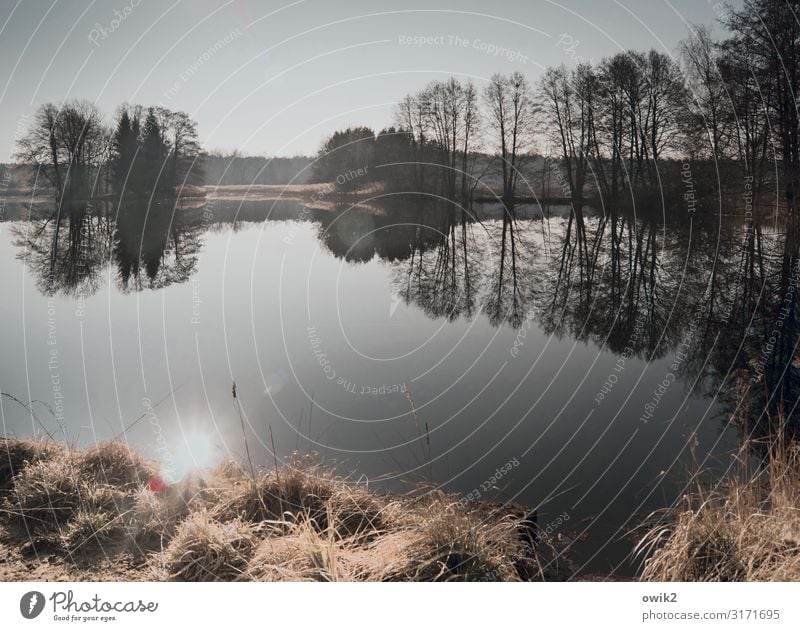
(721, 297)
(150, 245)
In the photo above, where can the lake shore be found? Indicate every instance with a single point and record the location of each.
(744, 527)
(323, 195)
(106, 514)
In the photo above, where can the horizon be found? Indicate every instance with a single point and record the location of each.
(230, 44)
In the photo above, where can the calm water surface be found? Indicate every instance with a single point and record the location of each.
(587, 363)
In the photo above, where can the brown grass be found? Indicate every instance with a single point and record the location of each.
(205, 549)
(299, 522)
(303, 492)
(153, 519)
(16, 454)
(44, 497)
(116, 464)
(306, 554)
(745, 529)
(448, 541)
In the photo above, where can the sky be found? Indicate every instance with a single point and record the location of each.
(275, 77)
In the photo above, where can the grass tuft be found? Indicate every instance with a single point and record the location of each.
(89, 529)
(205, 549)
(116, 464)
(44, 497)
(16, 454)
(449, 543)
(303, 554)
(309, 495)
(745, 529)
(299, 522)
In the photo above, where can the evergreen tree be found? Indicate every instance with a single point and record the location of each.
(345, 158)
(125, 145)
(153, 154)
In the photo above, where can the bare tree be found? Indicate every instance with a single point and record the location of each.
(444, 101)
(766, 35)
(471, 125)
(611, 118)
(412, 117)
(184, 156)
(68, 146)
(752, 134)
(665, 107)
(707, 90)
(570, 118)
(510, 115)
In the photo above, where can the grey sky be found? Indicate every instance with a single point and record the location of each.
(276, 76)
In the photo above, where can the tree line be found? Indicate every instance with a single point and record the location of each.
(614, 128)
(235, 169)
(144, 151)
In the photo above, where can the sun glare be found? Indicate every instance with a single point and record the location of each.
(192, 451)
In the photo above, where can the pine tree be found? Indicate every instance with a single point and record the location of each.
(154, 152)
(125, 145)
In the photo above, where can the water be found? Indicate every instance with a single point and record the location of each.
(586, 370)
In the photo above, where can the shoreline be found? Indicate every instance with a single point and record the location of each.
(106, 514)
(317, 195)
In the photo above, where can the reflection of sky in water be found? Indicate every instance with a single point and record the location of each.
(291, 323)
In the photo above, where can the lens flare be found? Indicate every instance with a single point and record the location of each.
(192, 451)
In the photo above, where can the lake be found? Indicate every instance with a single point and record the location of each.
(585, 367)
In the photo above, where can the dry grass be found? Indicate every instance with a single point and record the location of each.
(15, 455)
(77, 501)
(205, 549)
(44, 497)
(116, 464)
(746, 529)
(154, 518)
(300, 522)
(305, 554)
(90, 528)
(432, 541)
(303, 492)
(445, 541)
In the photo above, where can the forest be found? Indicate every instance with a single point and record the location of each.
(145, 151)
(613, 132)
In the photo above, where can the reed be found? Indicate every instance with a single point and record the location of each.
(745, 528)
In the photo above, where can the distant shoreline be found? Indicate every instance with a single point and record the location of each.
(307, 193)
